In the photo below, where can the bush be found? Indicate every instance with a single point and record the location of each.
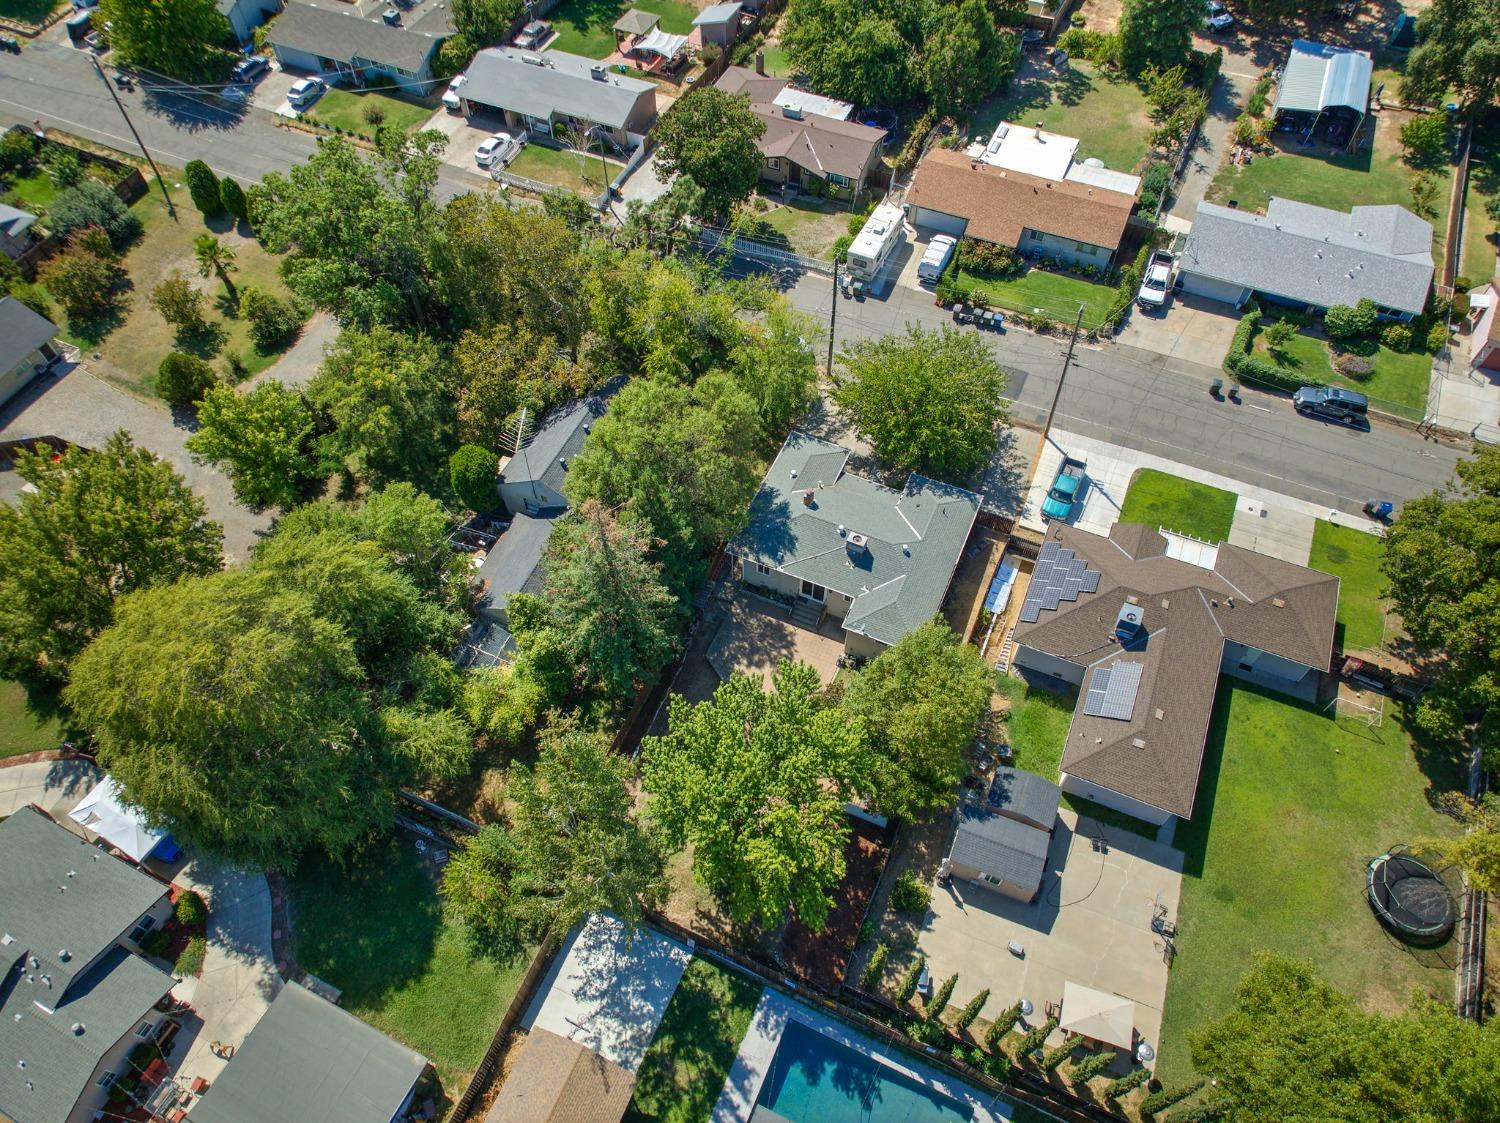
(178, 302)
(190, 962)
(841, 246)
(967, 1015)
(1091, 1066)
(203, 186)
(1096, 46)
(17, 149)
(1129, 1082)
(1160, 1101)
(65, 168)
(1425, 138)
(183, 379)
(84, 283)
(988, 259)
(155, 942)
(1202, 1113)
(272, 320)
(232, 196)
(190, 909)
(1437, 337)
(875, 968)
(1154, 186)
(909, 894)
(927, 1033)
(906, 159)
(934, 1009)
(91, 203)
(1396, 336)
(1052, 1059)
(1035, 1039)
(1352, 366)
(34, 298)
(1343, 322)
(908, 985)
(472, 471)
(1001, 1026)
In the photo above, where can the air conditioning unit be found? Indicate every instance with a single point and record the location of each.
(597, 73)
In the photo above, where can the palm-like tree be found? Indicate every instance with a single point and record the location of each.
(215, 257)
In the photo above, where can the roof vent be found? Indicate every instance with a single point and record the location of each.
(1278, 602)
(1128, 624)
(1160, 713)
(64, 955)
(77, 1029)
(533, 60)
(587, 428)
(7, 939)
(792, 111)
(906, 549)
(1228, 602)
(1166, 603)
(562, 462)
(1138, 742)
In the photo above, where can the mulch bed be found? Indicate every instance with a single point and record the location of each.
(180, 933)
(821, 958)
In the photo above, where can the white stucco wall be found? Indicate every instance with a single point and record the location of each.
(1040, 661)
(1109, 798)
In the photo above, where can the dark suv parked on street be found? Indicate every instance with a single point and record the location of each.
(1332, 402)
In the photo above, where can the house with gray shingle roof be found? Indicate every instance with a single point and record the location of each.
(15, 229)
(1143, 623)
(1310, 257)
(75, 998)
(877, 560)
(555, 91)
(1001, 838)
(332, 39)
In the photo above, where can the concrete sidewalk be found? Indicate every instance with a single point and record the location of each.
(56, 786)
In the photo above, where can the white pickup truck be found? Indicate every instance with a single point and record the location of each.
(1156, 282)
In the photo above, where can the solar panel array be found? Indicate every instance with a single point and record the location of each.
(1060, 575)
(1113, 690)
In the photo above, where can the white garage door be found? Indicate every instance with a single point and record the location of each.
(937, 222)
(1214, 289)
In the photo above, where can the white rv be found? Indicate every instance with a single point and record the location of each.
(872, 248)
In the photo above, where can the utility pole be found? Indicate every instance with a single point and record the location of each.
(171, 210)
(833, 315)
(1067, 362)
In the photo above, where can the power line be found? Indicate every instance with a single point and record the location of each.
(171, 210)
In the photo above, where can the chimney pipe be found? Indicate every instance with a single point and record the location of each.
(760, 63)
(807, 499)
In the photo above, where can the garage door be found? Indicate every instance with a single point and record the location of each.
(937, 222)
(1214, 289)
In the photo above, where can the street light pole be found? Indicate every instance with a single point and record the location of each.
(171, 210)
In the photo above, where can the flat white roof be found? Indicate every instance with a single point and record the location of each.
(1020, 148)
(792, 98)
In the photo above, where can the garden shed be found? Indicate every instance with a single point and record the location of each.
(1324, 92)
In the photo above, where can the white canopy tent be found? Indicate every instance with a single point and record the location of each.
(661, 43)
(120, 825)
(1093, 1013)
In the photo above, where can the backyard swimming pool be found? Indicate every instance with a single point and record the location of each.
(815, 1079)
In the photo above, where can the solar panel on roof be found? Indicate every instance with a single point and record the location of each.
(1093, 702)
(1090, 580)
(1120, 690)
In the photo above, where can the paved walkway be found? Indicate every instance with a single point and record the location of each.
(296, 368)
(239, 971)
(1213, 141)
(56, 786)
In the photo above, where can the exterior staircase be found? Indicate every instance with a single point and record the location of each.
(807, 614)
(1007, 649)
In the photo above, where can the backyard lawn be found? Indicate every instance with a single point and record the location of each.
(562, 167)
(1354, 558)
(35, 191)
(1042, 291)
(1037, 726)
(374, 928)
(24, 729)
(1291, 805)
(1106, 113)
(1161, 500)
(584, 26)
(778, 64)
(345, 110)
(1399, 382)
(1478, 263)
(806, 227)
(1337, 182)
(684, 1069)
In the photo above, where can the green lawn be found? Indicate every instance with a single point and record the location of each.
(1354, 558)
(683, 1071)
(778, 63)
(1478, 263)
(1106, 113)
(562, 167)
(1040, 290)
(1161, 500)
(1399, 383)
(28, 725)
(27, 11)
(1037, 726)
(805, 226)
(1291, 805)
(345, 110)
(1339, 182)
(374, 928)
(584, 26)
(35, 190)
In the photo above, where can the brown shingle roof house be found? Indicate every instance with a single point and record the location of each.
(555, 1080)
(955, 194)
(1144, 633)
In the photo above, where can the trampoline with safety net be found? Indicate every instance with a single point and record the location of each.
(1409, 898)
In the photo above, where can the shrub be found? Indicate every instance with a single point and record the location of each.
(1001, 1026)
(1425, 138)
(1396, 336)
(1424, 193)
(1052, 1059)
(841, 246)
(967, 1015)
(996, 1065)
(1091, 1066)
(906, 159)
(34, 298)
(1202, 1113)
(203, 186)
(1160, 1101)
(927, 1032)
(155, 942)
(1255, 105)
(908, 985)
(1278, 335)
(1130, 1081)
(909, 894)
(65, 168)
(472, 471)
(84, 283)
(875, 968)
(232, 196)
(1437, 337)
(939, 1003)
(1095, 46)
(1343, 322)
(272, 319)
(190, 909)
(1034, 1040)
(1356, 367)
(1154, 186)
(190, 962)
(90, 203)
(17, 149)
(183, 379)
(988, 259)
(179, 303)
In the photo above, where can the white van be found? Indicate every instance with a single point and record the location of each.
(935, 260)
(872, 247)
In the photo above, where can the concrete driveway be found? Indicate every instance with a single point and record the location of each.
(270, 92)
(464, 135)
(1191, 328)
(1091, 924)
(53, 785)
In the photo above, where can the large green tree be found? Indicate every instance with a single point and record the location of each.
(502, 368)
(710, 137)
(966, 57)
(866, 51)
(928, 401)
(1293, 1047)
(777, 366)
(571, 846)
(176, 37)
(1442, 556)
(392, 411)
(756, 781)
(922, 702)
(1476, 850)
(100, 524)
(484, 22)
(1158, 32)
(261, 440)
(1458, 48)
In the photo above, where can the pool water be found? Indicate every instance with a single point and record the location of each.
(815, 1079)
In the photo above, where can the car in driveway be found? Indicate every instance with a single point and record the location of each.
(247, 70)
(304, 92)
(453, 96)
(1066, 487)
(533, 35)
(495, 151)
(1156, 282)
(1333, 403)
(1219, 17)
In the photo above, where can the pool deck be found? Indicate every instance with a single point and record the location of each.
(737, 1101)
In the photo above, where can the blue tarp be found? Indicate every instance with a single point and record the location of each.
(999, 594)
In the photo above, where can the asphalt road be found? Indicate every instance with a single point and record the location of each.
(1117, 393)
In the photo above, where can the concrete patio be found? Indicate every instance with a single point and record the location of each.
(1091, 923)
(757, 636)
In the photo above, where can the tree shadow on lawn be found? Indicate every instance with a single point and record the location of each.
(587, 15)
(204, 340)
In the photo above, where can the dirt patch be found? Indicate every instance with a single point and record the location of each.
(821, 958)
(1101, 15)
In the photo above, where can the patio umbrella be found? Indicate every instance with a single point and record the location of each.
(1093, 1013)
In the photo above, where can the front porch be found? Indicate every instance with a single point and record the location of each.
(758, 634)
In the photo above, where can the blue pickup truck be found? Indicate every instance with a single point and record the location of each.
(1065, 490)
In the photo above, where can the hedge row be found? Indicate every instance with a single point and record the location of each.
(1240, 364)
